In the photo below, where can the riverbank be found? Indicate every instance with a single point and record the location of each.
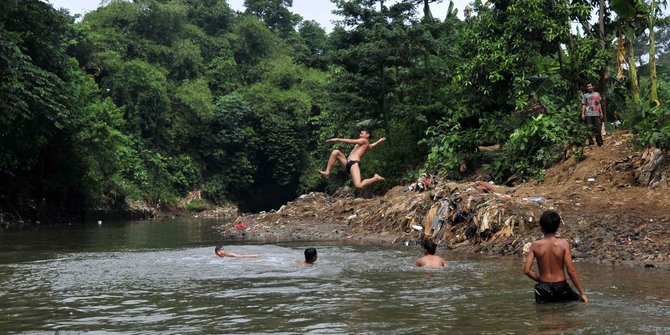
(614, 203)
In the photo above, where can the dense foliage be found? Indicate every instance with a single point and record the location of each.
(148, 100)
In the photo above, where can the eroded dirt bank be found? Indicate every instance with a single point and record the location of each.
(615, 205)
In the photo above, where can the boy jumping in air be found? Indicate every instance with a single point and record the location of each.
(353, 163)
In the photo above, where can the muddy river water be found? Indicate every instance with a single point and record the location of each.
(162, 277)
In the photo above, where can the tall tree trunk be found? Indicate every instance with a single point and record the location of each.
(382, 98)
(428, 75)
(570, 52)
(653, 95)
(426, 10)
(604, 75)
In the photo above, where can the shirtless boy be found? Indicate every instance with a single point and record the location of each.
(353, 163)
(430, 260)
(553, 257)
(219, 251)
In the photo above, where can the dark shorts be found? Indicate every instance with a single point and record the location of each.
(554, 292)
(351, 163)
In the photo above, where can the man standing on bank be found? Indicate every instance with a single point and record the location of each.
(353, 163)
(592, 113)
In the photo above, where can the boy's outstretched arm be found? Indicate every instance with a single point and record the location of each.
(572, 272)
(379, 141)
(230, 254)
(346, 140)
(528, 266)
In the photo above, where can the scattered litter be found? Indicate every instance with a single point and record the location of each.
(590, 180)
(425, 182)
(417, 227)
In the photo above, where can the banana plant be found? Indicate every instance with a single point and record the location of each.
(628, 12)
(654, 10)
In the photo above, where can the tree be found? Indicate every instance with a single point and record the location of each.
(368, 53)
(251, 43)
(314, 50)
(143, 89)
(274, 13)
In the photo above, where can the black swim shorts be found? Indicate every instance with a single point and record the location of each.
(554, 292)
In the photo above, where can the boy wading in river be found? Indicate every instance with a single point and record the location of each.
(553, 257)
(430, 260)
(353, 163)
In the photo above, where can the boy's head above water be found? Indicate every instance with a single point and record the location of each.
(430, 247)
(549, 221)
(310, 255)
(219, 251)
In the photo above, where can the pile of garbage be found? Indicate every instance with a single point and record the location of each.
(471, 214)
(453, 214)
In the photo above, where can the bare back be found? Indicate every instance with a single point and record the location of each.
(431, 261)
(551, 253)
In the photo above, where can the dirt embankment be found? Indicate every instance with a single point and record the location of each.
(615, 205)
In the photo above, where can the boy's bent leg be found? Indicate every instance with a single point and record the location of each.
(356, 178)
(355, 171)
(374, 179)
(336, 155)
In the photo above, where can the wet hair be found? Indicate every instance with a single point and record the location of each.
(367, 130)
(549, 221)
(310, 255)
(217, 248)
(430, 246)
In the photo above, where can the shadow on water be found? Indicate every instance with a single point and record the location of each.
(163, 277)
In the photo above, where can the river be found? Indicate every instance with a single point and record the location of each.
(162, 277)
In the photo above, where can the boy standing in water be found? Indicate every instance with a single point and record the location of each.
(353, 163)
(430, 260)
(553, 257)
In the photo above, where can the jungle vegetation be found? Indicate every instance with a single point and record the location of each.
(147, 100)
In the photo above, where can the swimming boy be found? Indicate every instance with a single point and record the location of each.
(310, 256)
(353, 163)
(430, 260)
(219, 251)
(553, 257)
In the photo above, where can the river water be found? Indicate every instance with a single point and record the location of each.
(162, 277)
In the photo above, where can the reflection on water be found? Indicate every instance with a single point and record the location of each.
(137, 286)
